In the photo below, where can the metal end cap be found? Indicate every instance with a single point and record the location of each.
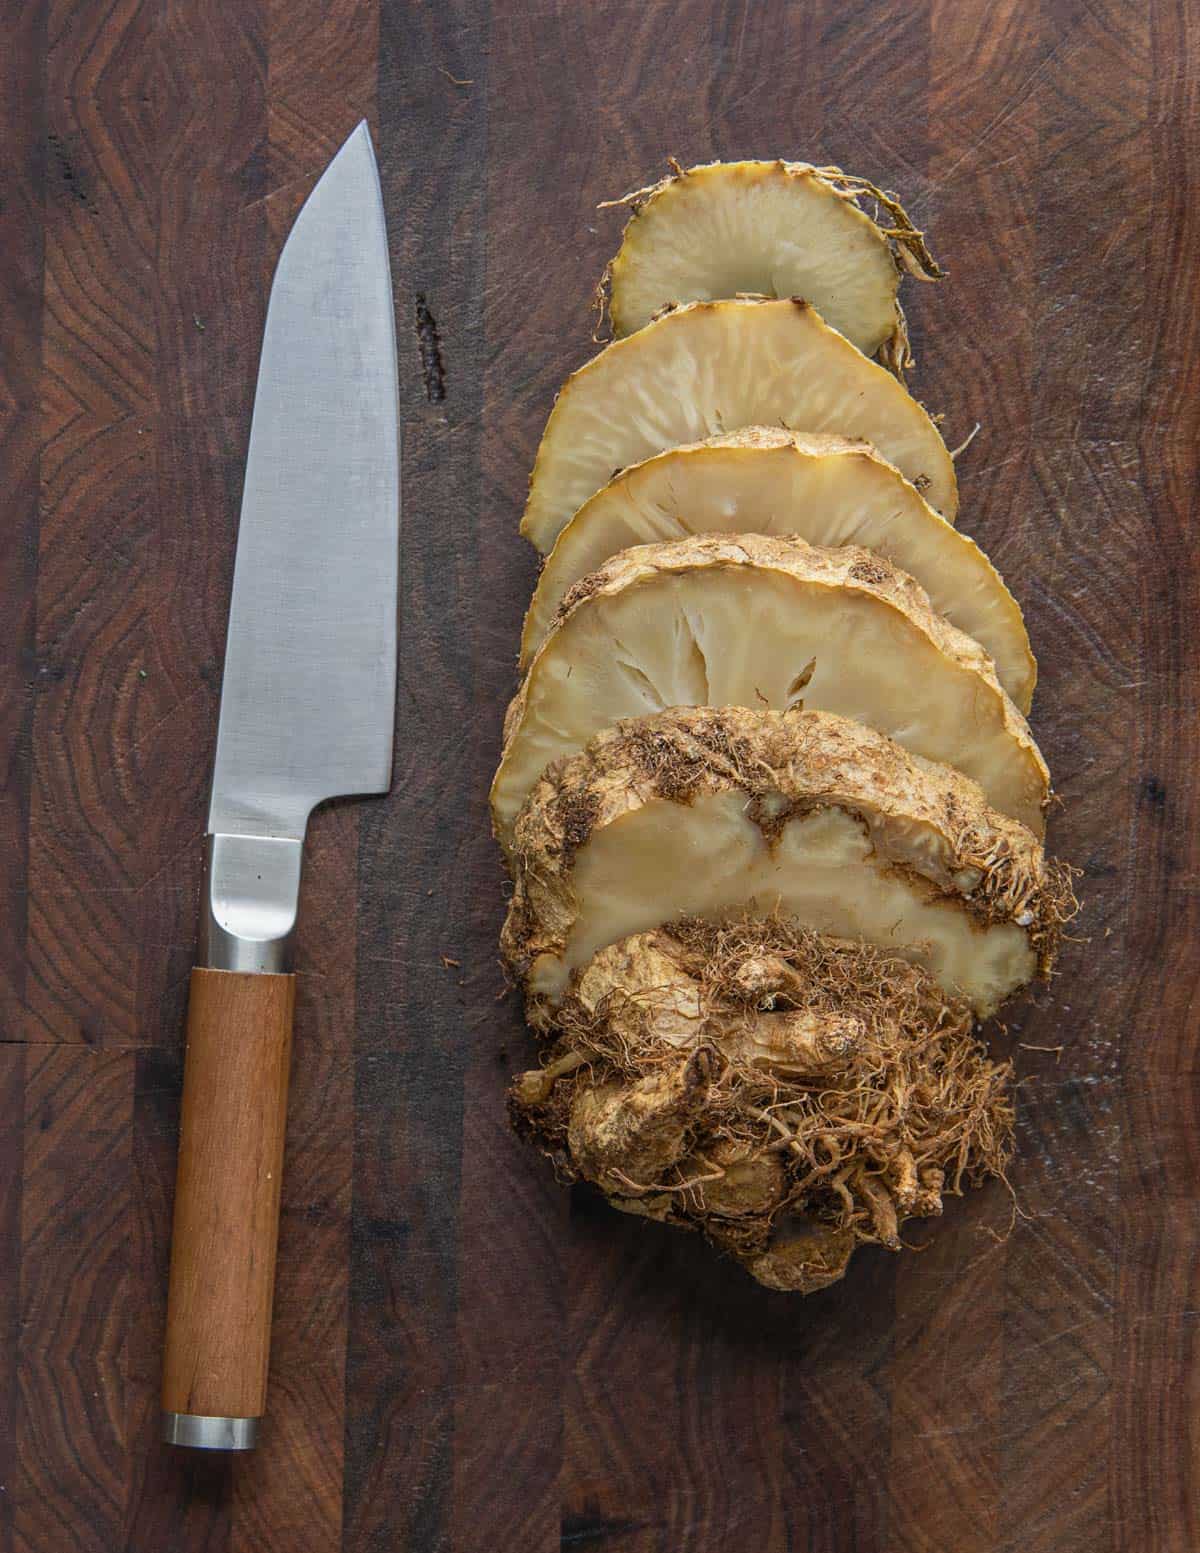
(210, 1433)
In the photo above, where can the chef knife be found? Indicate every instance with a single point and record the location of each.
(307, 709)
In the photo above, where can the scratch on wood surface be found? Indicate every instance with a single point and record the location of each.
(433, 369)
(1016, 101)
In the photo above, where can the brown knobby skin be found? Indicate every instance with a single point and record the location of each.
(790, 1095)
(766, 620)
(714, 812)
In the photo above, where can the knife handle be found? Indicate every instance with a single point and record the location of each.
(235, 1082)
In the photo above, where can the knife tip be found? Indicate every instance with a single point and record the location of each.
(361, 131)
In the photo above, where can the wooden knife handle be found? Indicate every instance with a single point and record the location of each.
(235, 1082)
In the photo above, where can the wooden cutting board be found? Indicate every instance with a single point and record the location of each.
(467, 1357)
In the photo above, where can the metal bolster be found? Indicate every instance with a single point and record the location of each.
(248, 913)
(210, 1433)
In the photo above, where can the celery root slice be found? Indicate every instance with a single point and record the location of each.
(754, 620)
(826, 489)
(776, 229)
(714, 367)
(726, 812)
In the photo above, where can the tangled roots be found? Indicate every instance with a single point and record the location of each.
(790, 1095)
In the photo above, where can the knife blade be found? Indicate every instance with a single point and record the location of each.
(307, 714)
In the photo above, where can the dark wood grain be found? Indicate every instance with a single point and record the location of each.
(68, 1488)
(22, 124)
(12, 1131)
(465, 1356)
(421, 864)
(89, 843)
